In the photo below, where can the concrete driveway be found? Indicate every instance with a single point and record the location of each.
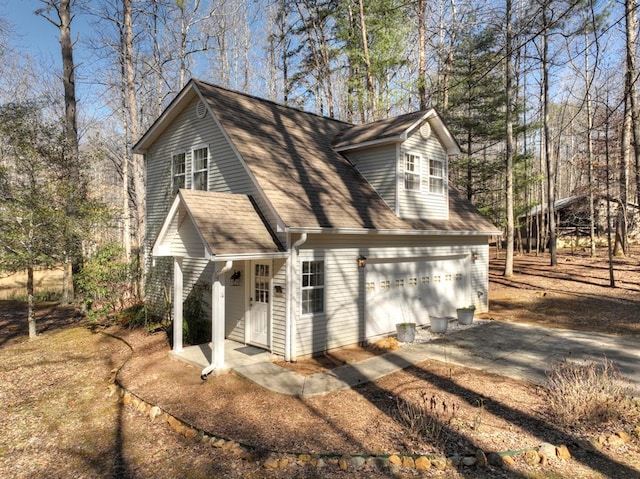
(514, 350)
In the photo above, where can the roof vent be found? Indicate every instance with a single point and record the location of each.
(201, 109)
(425, 130)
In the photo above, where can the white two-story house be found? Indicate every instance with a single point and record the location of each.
(303, 233)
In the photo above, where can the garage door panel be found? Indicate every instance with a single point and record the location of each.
(411, 291)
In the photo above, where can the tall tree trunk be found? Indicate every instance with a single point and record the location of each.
(551, 213)
(31, 313)
(63, 10)
(71, 130)
(589, 111)
(422, 61)
(137, 170)
(508, 266)
(629, 133)
(367, 62)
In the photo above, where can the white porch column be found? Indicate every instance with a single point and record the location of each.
(218, 314)
(177, 304)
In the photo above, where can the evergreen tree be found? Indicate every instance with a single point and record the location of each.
(476, 111)
(30, 209)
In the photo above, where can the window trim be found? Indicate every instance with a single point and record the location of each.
(173, 171)
(442, 178)
(195, 171)
(309, 259)
(416, 173)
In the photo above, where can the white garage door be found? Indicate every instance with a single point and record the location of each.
(411, 290)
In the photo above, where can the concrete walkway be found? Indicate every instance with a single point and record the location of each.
(514, 350)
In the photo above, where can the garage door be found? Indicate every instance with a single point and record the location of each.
(411, 290)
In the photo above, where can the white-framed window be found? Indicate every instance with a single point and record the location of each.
(412, 171)
(313, 297)
(178, 171)
(200, 168)
(436, 176)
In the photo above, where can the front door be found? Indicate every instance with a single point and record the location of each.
(259, 301)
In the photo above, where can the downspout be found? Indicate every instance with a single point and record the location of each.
(214, 331)
(289, 339)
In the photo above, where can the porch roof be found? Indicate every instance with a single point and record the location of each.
(212, 225)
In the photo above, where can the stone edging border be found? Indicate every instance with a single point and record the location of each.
(350, 462)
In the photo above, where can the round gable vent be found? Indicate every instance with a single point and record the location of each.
(201, 109)
(425, 130)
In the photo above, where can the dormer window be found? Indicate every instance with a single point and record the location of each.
(436, 176)
(412, 172)
(200, 175)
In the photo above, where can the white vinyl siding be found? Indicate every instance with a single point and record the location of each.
(225, 174)
(279, 307)
(378, 166)
(343, 322)
(431, 201)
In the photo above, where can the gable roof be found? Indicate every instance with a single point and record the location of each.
(291, 156)
(395, 130)
(210, 224)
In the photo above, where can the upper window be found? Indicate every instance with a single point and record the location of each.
(312, 287)
(411, 172)
(179, 170)
(436, 176)
(200, 169)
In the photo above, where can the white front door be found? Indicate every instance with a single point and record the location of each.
(260, 297)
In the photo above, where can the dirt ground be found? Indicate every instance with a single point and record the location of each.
(60, 418)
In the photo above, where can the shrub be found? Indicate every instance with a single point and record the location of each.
(106, 282)
(588, 393)
(427, 418)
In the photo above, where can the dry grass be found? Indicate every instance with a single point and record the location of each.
(15, 285)
(587, 394)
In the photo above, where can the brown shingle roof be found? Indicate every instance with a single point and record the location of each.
(228, 223)
(390, 128)
(290, 154)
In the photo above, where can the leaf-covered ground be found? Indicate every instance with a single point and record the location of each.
(59, 415)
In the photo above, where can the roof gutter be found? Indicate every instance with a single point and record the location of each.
(370, 231)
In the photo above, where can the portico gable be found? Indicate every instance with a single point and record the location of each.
(217, 227)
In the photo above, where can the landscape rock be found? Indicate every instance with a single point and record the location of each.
(589, 445)
(357, 461)
(469, 461)
(271, 463)
(615, 441)
(481, 458)
(154, 412)
(439, 463)
(423, 463)
(562, 452)
(377, 462)
(394, 459)
(624, 436)
(408, 462)
(219, 443)
(508, 461)
(547, 450)
(531, 457)
(495, 459)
